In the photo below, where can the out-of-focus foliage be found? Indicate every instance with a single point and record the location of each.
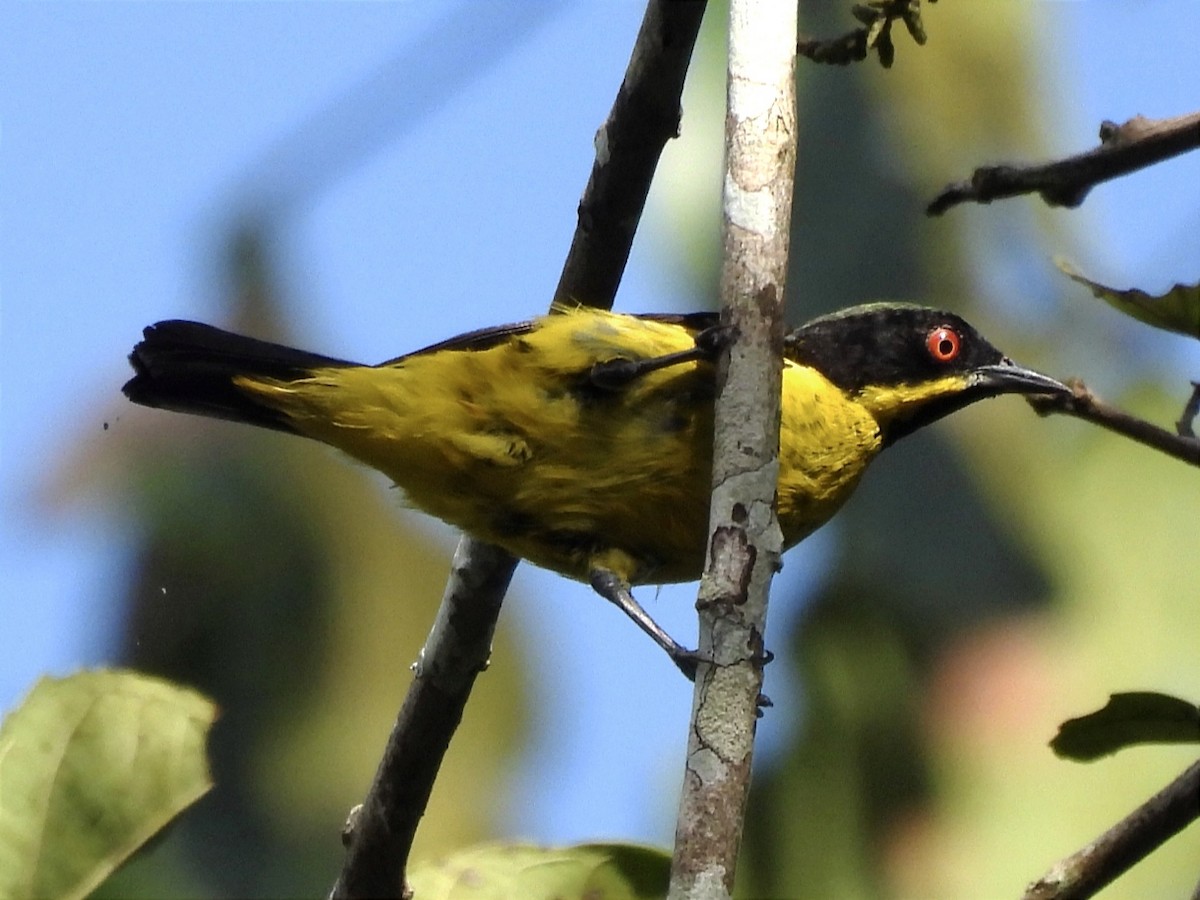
(1137, 717)
(280, 580)
(584, 871)
(1176, 310)
(877, 17)
(1110, 519)
(91, 766)
(965, 617)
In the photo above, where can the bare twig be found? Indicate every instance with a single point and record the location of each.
(876, 34)
(1083, 404)
(744, 551)
(1138, 143)
(379, 834)
(644, 116)
(1191, 409)
(1132, 839)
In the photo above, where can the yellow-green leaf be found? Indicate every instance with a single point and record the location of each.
(91, 766)
(1141, 717)
(592, 871)
(1176, 310)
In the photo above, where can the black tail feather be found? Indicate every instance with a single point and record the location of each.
(189, 367)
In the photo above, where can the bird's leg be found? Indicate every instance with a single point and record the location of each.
(613, 588)
(612, 374)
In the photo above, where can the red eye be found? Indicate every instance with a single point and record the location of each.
(943, 344)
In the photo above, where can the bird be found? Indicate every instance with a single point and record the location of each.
(581, 440)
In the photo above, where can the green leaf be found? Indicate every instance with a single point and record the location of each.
(593, 871)
(91, 766)
(1176, 310)
(1141, 717)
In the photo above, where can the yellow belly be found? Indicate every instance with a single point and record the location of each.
(515, 446)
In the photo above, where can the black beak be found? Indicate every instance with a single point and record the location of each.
(1006, 377)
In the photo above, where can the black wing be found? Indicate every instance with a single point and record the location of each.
(486, 338)
(479, 339)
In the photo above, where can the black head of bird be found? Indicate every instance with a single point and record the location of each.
(909, 364)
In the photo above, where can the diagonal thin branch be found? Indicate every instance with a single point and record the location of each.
(1083, 404)
(1138, 143)
(1185, 426)
(379, 833)
(1084, 873)
(644, 116)
(746, 542)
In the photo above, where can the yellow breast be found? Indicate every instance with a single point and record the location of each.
(826, 442)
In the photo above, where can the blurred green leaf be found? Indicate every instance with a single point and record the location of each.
(1141, 717)
(91, 766)
(1177, 310)
(594, 871)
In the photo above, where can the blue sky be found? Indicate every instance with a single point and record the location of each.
(127, 129)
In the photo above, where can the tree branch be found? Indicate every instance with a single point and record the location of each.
(746, 542)
(644, 116)
(1083, 404)
(380, 832)
(1132, 839)
(1191, 409)
(1138, 143)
